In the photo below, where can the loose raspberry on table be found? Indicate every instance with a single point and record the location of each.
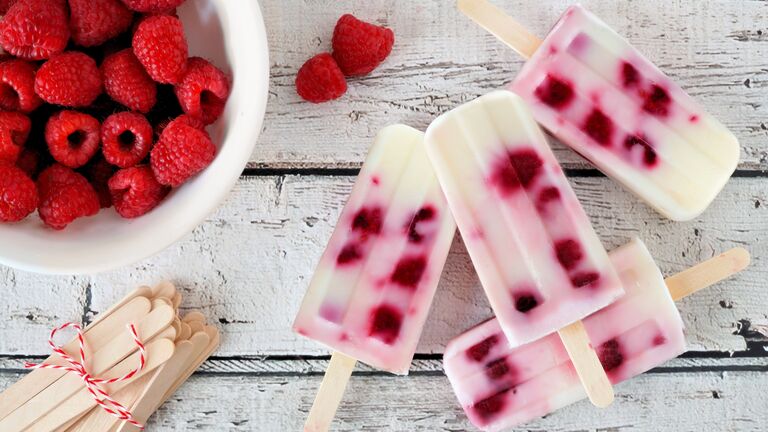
(161, 47)
(153, 6)
(93, 22)
(72, 137)
(14, 131)
(126, 139)
(136, 191)
(18, 194)
(35, 29)
(98, 172)
(70, 79)
(203, 90)
(126, 81)
(359, 47)
(181, 152)
(17, 86)
(64, 196)
(320, 79)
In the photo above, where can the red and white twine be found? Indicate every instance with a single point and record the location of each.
(93, 384)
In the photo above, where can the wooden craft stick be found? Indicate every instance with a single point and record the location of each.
(161, 301)
(707, 273)
(109, 354)
(499, 24)
(176, 324)
(215, 338)
(194, 316)
(187, 353)
(99, 420)
(158, 352)
(587, 364)
(196, 326)
(186, 332)
(109, 324)
(164, 289)
(177, 300)
(330, 393)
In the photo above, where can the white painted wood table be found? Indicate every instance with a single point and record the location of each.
(248, 265)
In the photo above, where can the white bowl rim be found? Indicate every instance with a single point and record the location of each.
(230, 164)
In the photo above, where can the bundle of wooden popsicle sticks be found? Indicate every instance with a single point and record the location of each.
(59, 400)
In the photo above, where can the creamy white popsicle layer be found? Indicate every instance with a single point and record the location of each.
(500, 384)
(374, 284)
(534, 249)
(589, 87)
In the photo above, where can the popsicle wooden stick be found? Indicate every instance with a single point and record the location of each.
(587, 364)
(330, 393)
(707, 273)
(110, 323)
(501, 25)
(158, 352)
(193, 316)
(164, 289)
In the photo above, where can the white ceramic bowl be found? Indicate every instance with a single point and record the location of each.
(231, 34)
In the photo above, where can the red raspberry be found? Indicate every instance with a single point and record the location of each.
(161, 47)
(70, 79)
(28, 161)
(94, 22)
(186, 119)
(65, 196)
(35, 29)
(359, 47)
(98, 172)
(17, 86)
(18, 194)
(14, 131)
(320, 79)
(203, 90)
(135, 191)
(126, 139)
(72, 137)
(153, 6)
(5, 5)
(126, 81)
(181, 152)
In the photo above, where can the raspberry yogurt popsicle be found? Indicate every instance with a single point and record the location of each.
(595, 92)
(536, 254)
(501, 385)
(374, 284)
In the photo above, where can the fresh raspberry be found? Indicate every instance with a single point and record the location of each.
(135, 191)
(65, 196)
(17, 86)
(5, 5)
(35, 29)
(69, 79)
(14, 131)
(98, 172)
(93, 22)
(359, 47)
(182, 152)
(161, 47)
(18, 194)
(153, 6)
(203, 90)
(320, 79)
(126, 81)
(126, 139)
(28, 161)
(72, 137)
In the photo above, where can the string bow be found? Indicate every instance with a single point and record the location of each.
(94, 384)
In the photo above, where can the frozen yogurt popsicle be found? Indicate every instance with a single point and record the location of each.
(596, 93)
(534, 249)
(372, 289)
(500, 384)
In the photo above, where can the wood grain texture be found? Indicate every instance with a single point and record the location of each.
(248, 266)
(717, 50)
(723, 401)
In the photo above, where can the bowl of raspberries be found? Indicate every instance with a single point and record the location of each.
(123, 124)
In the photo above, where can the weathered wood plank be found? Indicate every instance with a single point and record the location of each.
(248, 266)
(716, 49)
(31, 305)
(732, 401)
